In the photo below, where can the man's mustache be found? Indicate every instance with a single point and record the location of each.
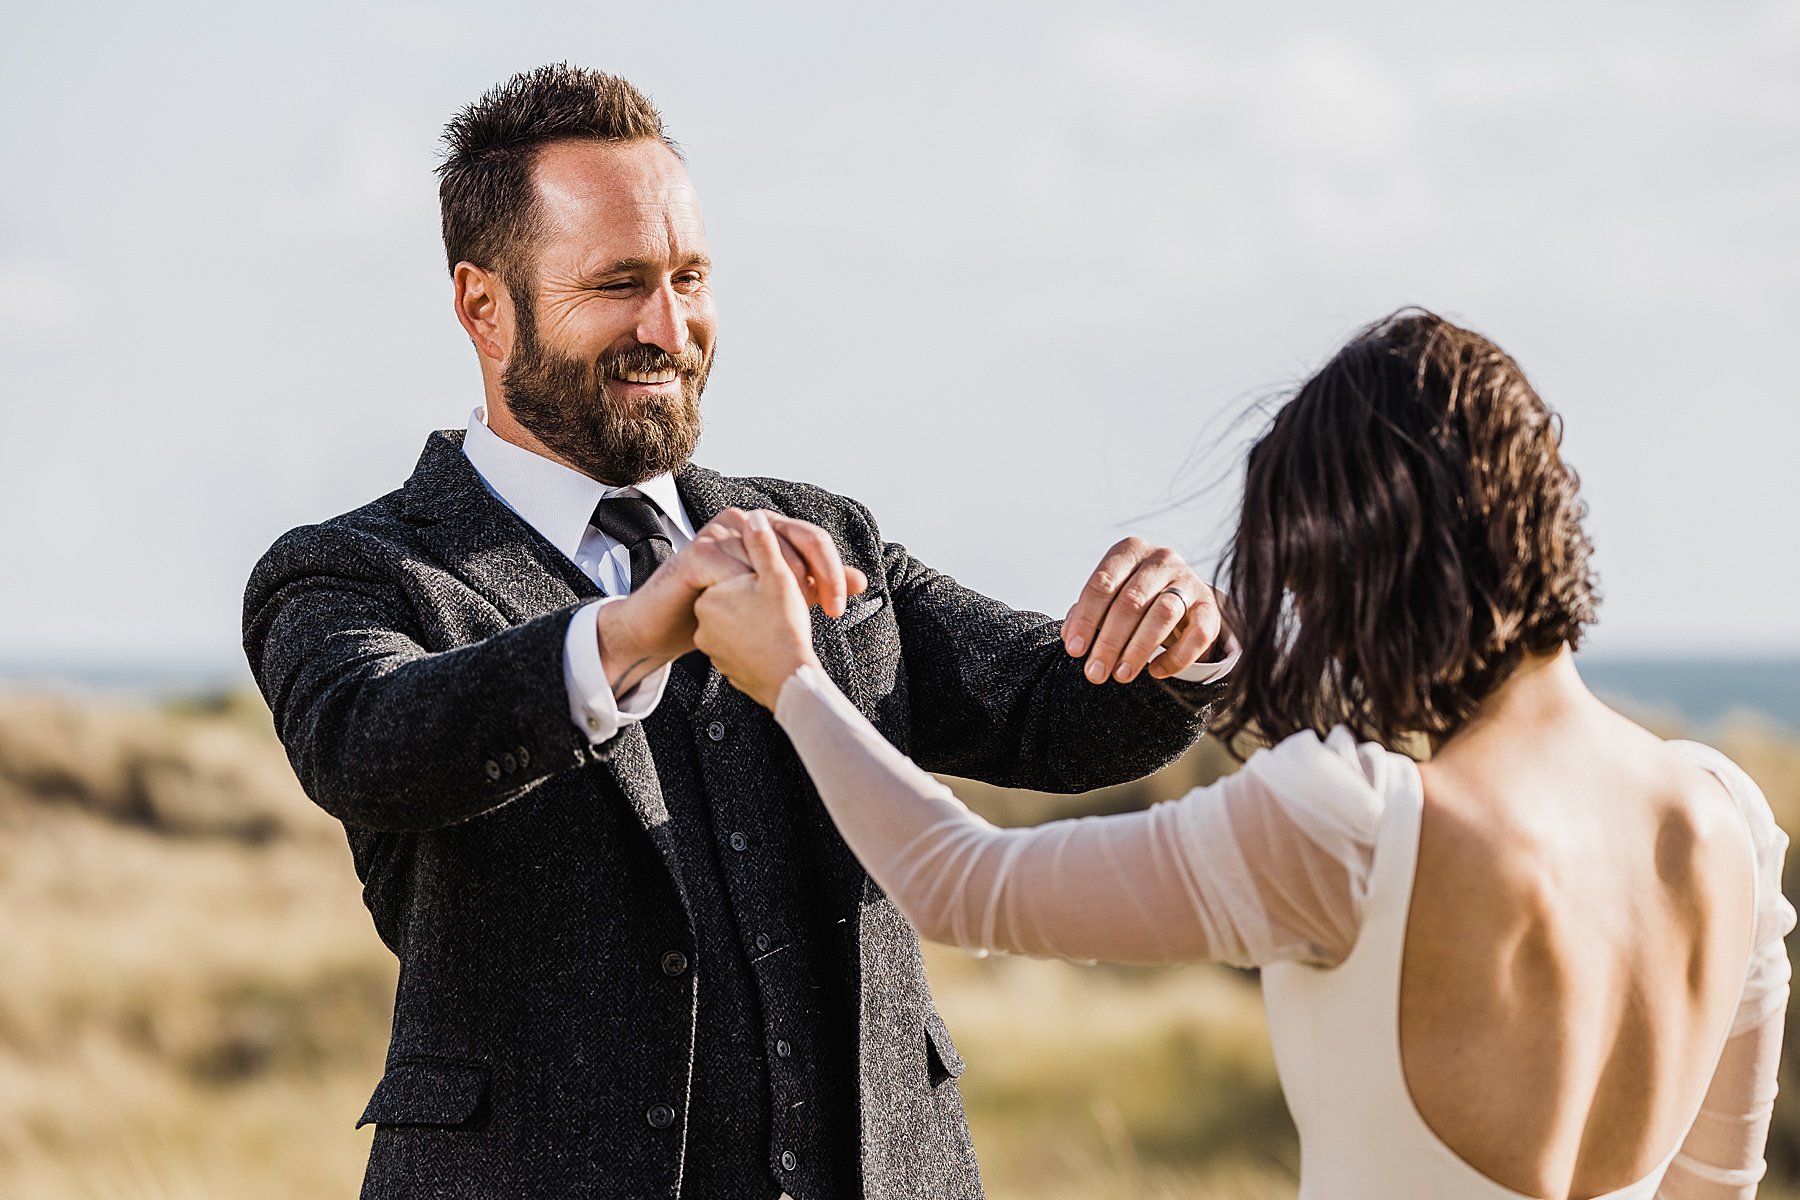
(648, 360)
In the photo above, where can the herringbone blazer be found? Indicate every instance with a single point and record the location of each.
(411, 652)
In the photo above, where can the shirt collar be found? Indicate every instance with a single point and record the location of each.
(555, 500)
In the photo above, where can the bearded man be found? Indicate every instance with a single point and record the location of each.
(635, 958)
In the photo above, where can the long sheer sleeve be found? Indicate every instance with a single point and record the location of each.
(1722, 1156)
(1240, 871)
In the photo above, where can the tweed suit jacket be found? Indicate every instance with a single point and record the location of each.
(411, 653)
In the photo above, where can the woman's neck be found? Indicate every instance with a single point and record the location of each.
(1542, 688)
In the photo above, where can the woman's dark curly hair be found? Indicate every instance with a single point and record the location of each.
(1409, 533)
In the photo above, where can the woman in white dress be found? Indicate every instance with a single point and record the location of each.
(1545, 963)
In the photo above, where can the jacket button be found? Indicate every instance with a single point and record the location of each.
(716, 731)
(783, 1050)
(524, 757)
(674, 962)
(762, 942)
(509, 762)
(788, 1161)
(739, 842)
(492, 769)
(660, 1116)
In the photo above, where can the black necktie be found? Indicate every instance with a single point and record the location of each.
(635, 523)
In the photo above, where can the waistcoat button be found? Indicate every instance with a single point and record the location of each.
(674, 963)
(783, 1050)
(762, 942)
(716, 731)
(660, 1116)
(788, 1161)
(739, 842)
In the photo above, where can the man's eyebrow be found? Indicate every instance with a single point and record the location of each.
(624, 266)
(633, 266)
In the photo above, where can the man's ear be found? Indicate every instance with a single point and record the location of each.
(484, 307)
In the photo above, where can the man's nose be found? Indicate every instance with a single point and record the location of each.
(663, 321)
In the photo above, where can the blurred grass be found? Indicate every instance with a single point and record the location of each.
(193, 1005)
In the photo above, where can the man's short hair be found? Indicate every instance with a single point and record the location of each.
(484, 183)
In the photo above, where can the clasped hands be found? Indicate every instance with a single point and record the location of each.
(741, 590)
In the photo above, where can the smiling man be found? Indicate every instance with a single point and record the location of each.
(635, 958)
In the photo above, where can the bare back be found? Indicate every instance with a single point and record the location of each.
(1582, 907)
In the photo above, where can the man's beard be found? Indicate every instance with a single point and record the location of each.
(564, 402)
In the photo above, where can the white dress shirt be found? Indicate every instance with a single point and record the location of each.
(558, 502)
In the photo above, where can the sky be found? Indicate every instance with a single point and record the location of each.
(1007, 273)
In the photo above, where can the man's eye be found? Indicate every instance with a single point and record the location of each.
(617, 289)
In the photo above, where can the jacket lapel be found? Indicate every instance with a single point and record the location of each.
(508, 563)
(483, 542)
(705, 494)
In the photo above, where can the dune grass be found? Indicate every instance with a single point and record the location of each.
(193, 1005)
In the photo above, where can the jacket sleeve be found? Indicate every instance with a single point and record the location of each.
(383, 733)
(996, 697)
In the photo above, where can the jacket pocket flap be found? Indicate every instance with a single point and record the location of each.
(945, 1063)
(860, 609)
(427, 1092)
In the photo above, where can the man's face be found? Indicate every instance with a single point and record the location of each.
(615, 340)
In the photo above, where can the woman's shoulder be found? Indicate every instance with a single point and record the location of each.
(1743, 789)
(1336, 761)
(1774, 915)
(1334, 780)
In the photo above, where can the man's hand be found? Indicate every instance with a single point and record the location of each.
(755, 626)
(809, 551)
(655, 624)
(1141, 597)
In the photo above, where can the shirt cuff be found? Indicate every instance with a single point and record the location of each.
(592, 706)
(1212, 672)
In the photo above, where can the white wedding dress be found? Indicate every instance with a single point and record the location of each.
(1301, 863)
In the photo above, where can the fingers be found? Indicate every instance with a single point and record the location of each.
(1198, 630)
(765, 549)
(1157, 622)
(810, 554)
(713, 560)
(1083, 621)
(727, 541)
(821, 558)
(732, 524)
(1127, 612)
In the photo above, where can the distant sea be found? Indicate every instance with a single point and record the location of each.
(1702, 692)
(1698, 692)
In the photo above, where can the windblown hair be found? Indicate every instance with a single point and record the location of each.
(1409, 533)
(484, 183)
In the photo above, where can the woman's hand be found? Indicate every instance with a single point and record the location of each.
(755, 627)
(810, 553)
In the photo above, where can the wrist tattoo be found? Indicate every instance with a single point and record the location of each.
(631, 676)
